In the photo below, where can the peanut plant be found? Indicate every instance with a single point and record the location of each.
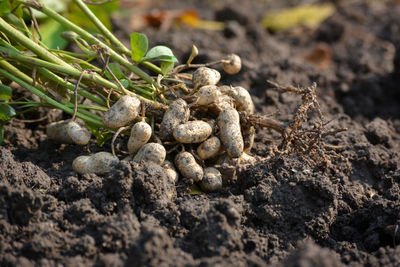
(180, 120)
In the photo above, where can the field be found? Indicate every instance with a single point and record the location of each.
(283, 210)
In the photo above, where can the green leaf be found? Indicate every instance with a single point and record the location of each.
(102, 136)
(162, 58)
(6, 112)
(139, 46)
(5, 7)
(58, 6)
(18, 11)
(51, 35)
(161, 53)
(166, 67)
(125, 83)
(195, 190)
(8, 6)
(114, 67)
(5, 92)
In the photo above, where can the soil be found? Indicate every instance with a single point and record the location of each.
(281, 211)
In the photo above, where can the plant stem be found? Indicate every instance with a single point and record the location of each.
(18, 23)
(91, 39)
(118, 45)
(81, 62)
(55, 67)
(10, 68)
(56, 62)
(28, 43)
(50, 75)
(45, 66)
(104, 109)
(48, 99)
(25, 103)
(142, 91)
(103, 29)
(147, 64)
(76, 55)
(7, 66)
(83, 110)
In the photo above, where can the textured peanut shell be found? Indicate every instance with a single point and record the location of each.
(125, 110)
(233, 66)
(140, 135)
(205, 76)
(79, 134)
(98, 163)
(212, 180)
(151, 152)
(230, 134)
(68, 132)
(81, 165)
(102, 162)
(192, 132)
(209, 148)
(244, 159)
(222, 102)
(241, 97)
(207, 94)
(188, 167)
(170, 171)
(177, 113)
(227, 166)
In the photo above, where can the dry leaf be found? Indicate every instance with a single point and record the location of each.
(321, 56)
(164, 19)
(191, 18)
(309, 15)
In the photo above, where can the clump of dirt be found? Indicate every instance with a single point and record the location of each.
(283, 210)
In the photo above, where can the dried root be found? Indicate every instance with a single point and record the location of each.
(299, 137)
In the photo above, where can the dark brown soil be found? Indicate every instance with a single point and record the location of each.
(281, 211)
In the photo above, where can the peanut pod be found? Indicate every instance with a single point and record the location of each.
(140, 135)
(188, 167)
(177, 113)
(124, 111)
(230, 134)
(151, 152)
(68, 132)
(98, 163)
(192, 132)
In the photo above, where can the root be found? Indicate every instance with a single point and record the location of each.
(76, 95)
(115, 137)
(263, 121)
(300, 136)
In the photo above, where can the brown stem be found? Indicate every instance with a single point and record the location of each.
(76, 96)
(115, 137)
(286, 88)
(188, 66)
(262, 121)
(97, 3)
